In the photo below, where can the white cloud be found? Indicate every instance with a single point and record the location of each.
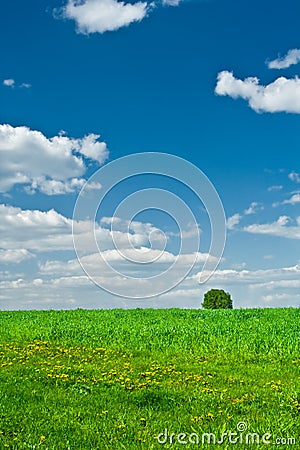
(139, 232)
(282, 228)
(28, 157)
(248, 287)
(48, 231)
(51, 231)
(268, 257)
(283, 95)
(25, 85)
(34, 230)
(279, 298)
(90, 147)
(280, 284)
(99, 16)
(275, 188)
(92, 262)
(258, 288)
(131, 279)
(294, 176)
(25, 230)
(239, 266)
(14, 256)
(292, 57)
(54, 187)
(171, 2)
(254, 277)
(233, 221)
(295, 198)
(9, 82)
(253, 208)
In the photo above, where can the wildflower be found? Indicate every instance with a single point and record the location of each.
(143, 421)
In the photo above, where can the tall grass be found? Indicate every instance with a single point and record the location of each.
(113, 379)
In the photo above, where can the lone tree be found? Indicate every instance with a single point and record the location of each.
(217, 299)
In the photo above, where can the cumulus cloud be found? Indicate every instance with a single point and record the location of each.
(113, 269)
(30, 158)
(9, 82)
(282, 95)
(99, 16)
(292, 57)
(14, 256)
(283, 227)
(24, 231)
(256, 288)
(271, 288)
(58, 284)
(56, 187)
(90, 147)
(140, 251)
(92, 261)
(50, 231)
(34, 229)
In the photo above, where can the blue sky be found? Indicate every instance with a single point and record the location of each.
(213, 82)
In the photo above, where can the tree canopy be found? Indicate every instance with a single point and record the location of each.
(217, 299)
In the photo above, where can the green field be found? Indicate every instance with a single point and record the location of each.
(116, 379)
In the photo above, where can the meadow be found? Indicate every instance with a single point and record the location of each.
(134, 379)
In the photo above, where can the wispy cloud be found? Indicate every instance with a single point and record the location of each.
(283, 95)
(283, 62)
(233, 221)
(277, 187)
(293, 200)
(253, 208)
(25, 85)
(284, 226)
(294, 176)
(171, 2)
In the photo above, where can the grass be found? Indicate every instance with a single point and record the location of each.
(84, 380)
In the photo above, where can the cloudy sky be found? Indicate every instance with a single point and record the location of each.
(84, 83)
